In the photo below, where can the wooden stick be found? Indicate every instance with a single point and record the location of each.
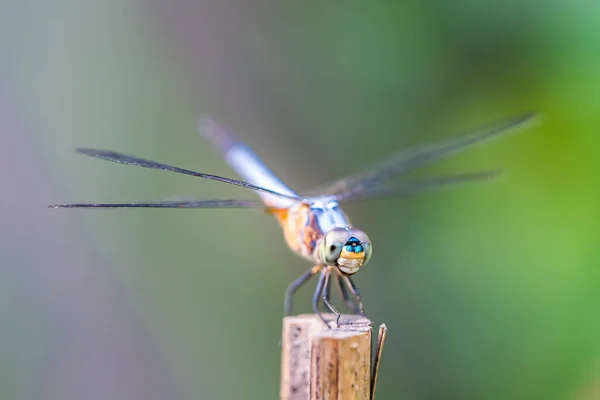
(377, 359)
(326, 363)
(295, 350)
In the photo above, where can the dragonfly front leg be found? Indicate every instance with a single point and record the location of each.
(326, 295)
(295, 285)
(317, 296)
(356, 294)
(346, 296)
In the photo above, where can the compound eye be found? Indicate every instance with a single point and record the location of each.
(332, 245)
(368, 251)
(332, 252)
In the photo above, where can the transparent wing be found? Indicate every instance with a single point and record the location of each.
(244, 161)
(418, 186)
(223, 203)
(406, 160)
(140, 162)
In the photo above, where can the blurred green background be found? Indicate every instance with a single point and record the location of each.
(489, 291)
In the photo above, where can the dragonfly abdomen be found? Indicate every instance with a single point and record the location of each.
(247, 164)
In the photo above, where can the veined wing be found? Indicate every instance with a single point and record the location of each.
(245, 162)
(406, 160)
(417, 186)
(140, 162)
(217, 203)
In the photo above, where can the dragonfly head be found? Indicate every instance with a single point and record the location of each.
(346, 248)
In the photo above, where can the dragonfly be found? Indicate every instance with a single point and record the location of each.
(315, 226)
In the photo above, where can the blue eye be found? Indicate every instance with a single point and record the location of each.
(353, 245)
(353, 240)
(354, 248)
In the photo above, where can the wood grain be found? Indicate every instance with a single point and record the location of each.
(326, 363)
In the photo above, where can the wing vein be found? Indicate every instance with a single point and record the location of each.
(217, 203)
(140, 162)
(406, 160)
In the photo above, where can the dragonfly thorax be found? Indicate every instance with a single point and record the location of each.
(329, 215)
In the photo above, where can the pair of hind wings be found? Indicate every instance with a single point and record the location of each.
(375, 182)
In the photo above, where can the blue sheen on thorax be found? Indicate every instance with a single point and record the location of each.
(329, 215)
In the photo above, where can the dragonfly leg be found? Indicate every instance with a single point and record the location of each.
(356, 294)
(326, 295)
(345, 295)
(318, 294)
(293, 287)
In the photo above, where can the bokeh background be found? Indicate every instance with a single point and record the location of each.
(489, 291)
